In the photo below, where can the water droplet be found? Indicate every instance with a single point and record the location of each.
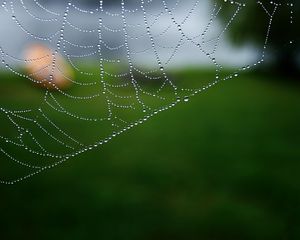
(186, 99)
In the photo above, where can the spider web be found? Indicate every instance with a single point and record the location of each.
(121, 91)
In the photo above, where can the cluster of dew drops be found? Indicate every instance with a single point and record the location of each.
(148, 114)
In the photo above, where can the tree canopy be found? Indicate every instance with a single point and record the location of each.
(251, 26)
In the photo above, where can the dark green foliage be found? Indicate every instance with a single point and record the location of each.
(251, 26)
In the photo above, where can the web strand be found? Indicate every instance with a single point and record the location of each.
(117, 89)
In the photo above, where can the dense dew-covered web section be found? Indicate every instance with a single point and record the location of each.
(119, 60)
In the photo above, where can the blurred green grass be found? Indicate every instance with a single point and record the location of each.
(223, 166)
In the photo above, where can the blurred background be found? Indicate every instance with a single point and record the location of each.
(223, 166)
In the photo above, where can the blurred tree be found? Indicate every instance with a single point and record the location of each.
(251, 25)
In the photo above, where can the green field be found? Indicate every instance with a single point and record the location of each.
(225, 165)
